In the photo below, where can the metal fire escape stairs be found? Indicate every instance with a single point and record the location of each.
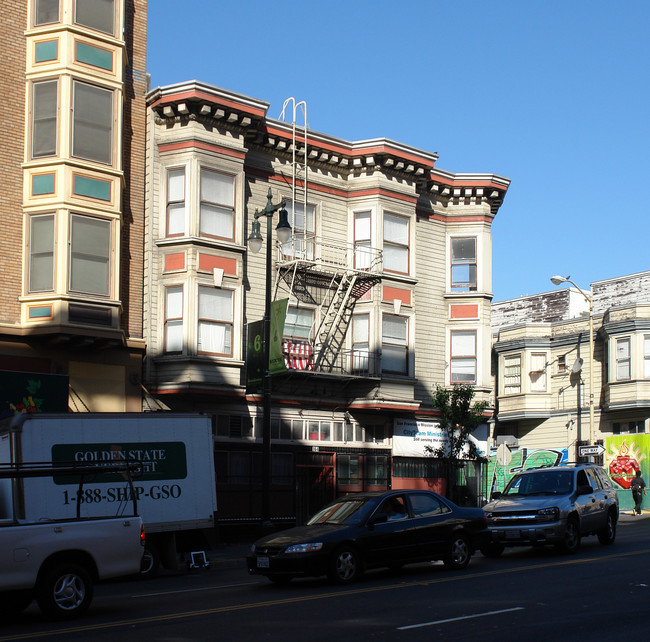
(323, 279)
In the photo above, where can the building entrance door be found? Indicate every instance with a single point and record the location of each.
(314, 484)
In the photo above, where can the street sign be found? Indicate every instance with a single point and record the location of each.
(588, 451)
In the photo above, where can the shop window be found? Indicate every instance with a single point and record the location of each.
(90, 252)
(376, 470)
(41, 253)
(348, 470)
(215, 321)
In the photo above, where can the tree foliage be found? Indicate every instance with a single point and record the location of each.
(458, 419)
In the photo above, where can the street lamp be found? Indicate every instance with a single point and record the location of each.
(283, 231)
(557, 280)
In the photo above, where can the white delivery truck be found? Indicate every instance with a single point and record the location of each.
(176, 491)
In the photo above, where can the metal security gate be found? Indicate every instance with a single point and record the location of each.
(314, 484)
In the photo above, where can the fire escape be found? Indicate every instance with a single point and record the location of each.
(328, 276)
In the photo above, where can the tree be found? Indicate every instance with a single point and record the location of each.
(458, 420)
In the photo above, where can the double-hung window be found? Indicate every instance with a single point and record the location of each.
(96, 14)
(362, 241)
(463, 356)
(44, 118)
(646, 356)
(360, 343)
(512, 374)
(90, 254)
(176, 201)
(215, 321)
(303, 231)
(394, 344)
(463, 263)
(92, 124)
(217, 217)
(623, 359)
(174, 319)
(41, 253)
(298, 323)
(396, 243)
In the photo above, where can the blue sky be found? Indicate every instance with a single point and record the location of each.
(553, 94)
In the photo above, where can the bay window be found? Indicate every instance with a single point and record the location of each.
(44, 118)
(623, 359)
(360, 342)
(362, 241)
(46, 12)
(92, 123)
(176, 202)
(463, 263)
(41, 253)
(463, 356)
(90, 254)
(96, 14)
(512, 374)
(537, 372)
(217, 205)
(303, 231)
(394, 344)
(396, 243)
(174, 319)
(215, 321)
(646, 356)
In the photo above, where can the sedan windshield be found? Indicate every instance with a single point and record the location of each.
(342, 512)
(556, 482)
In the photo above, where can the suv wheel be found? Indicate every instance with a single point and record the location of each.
(571, 542)
(607, 534)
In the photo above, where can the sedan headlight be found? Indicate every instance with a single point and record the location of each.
(548, 514)
(304, 548)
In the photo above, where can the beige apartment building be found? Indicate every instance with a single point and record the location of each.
(386, 277)
(546, 371)
(72, 204)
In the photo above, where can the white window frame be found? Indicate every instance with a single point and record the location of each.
(176, 208)
(223, 207)
(463, 359)
(623, 359)
(361, 343)
(512, 374)
(363, 240)
(468, 284)
(395, 344)
(46, 9)
(301, 320)
(225, 323)
(646, 356)
(302, 244)
(46, 122)
(537, 374)
(95, 27)
(397, 246)
(173, 319)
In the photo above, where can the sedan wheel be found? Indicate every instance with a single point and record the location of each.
(459, 552)
(345, 566)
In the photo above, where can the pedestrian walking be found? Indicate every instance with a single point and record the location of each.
(638, 487)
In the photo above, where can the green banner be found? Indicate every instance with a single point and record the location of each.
(160, 459)
(255, 365)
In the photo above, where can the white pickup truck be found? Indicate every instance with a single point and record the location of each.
(57, 561)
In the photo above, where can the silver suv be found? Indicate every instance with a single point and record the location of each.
(556, 505)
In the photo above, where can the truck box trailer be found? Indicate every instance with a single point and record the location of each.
(176, 491)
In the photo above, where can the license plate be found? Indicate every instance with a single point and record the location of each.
(262, 562)
(513, 535)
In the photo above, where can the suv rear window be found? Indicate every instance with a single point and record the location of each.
(555, 482)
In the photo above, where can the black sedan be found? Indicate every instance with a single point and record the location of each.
(372, 530)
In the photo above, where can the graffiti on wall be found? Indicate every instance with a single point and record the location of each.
(624, 455)
(503, 466)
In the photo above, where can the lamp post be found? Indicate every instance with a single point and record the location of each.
(283, 231)
(557, 280)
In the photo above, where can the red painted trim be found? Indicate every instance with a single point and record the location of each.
(174, 261)
(390, 294)
(464, 311)
(197, 144)
(207, 262)
(209, 98)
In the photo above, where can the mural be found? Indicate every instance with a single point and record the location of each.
(32, 392)
(624, 455)
(502, 468)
